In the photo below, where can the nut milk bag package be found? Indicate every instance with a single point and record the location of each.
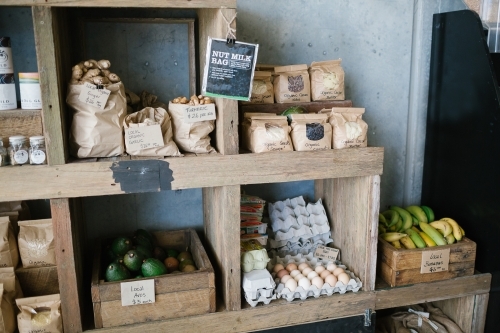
(327, 80)
(36, 243)
(265, 133)
(311, 132)
(292, 84)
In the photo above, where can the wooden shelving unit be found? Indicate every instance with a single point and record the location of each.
(348, 181)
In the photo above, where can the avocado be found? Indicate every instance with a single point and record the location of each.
(153, 267)
(186, 262)
(117, 272)
(121, 245)
(143, 241)
(159, 253)
(146, 253)
(172, 253)
(109, 255)
(144, 233)
(133, 260)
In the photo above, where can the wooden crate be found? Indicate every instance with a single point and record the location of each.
(400, 267)
(176, 295)
(38, 281)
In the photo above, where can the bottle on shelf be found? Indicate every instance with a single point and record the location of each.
(18, 150)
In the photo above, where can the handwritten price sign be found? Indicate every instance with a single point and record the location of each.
(143, 137)
(326, 253)
(435, 261)
(90, 95)
(138, 292)
(197, 113)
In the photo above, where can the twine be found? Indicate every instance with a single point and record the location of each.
(231, 32)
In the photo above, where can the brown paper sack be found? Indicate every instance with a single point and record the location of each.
(327, 80)
(292, 84)
(147, 117)
(11, 285)
(9, 254)
(95, 132)
(10, 206)
(190, 137)
(266, 133)
(311, 132)
(36, 243)
(40, 314)
(349, 129)
(262, 88)
(8, 322)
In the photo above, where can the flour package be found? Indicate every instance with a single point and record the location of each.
(8, 322)
(266, 133)
(327, 80)
(262, 88)
(9, 254)
(311, 132)
(349, 129)
(36, 243)
(292, 84)
(40, 314)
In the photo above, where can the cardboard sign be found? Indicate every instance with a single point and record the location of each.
(138, 292)
(92, 96)
(229, 69)
(435, 261)
(326, 253)
(197, 113)
(137, 138)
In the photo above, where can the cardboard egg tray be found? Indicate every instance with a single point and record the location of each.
(258, 286)
(262, 297)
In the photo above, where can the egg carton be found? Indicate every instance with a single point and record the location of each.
(298, 259)
(353, 285)
(262, 298)
(316, 208)
(294, 232)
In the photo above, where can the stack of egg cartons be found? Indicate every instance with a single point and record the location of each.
(251, 225)
(297, 227)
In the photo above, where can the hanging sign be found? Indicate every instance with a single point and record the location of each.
(229, 69)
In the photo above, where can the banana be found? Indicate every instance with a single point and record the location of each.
(398, 225)
(405, 216)
(433, 233)
(415, 228)
(418, 213)
(444, 226)
(381, 229)
(463, 231)
(392, 236)
(450, 238)
(429, 212)
(428, 241)
(391, 217)
(396, 244)
(381, 219)
(407, 242)
(415, 237)
(415, 220)
(457, 233)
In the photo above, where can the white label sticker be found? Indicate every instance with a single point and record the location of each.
(435, 261)
(137, 138)
(326, 253)
(197, 113)
(21, 156)
(138, 292)
(92, 96)
(37, 157)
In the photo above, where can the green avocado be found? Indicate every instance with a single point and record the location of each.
(146, 253)
(117, 272)
(153, 267)
(143, 241)
(133, 260)
(121, 245)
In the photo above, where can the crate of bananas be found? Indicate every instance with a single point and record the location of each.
(407, 235)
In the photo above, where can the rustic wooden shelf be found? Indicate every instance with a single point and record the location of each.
(124, 3)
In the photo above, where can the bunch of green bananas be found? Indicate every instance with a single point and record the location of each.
(414, 227)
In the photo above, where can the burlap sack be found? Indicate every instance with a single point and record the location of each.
(95, 132)
(147, 117)
(292, 84)
(8, 322)
(262, 88)
(440, 322)
(36, 243)
(40, 314)
(310, 132)
(9, 254)
(266, 133)
(190, 137)
(349, 129)
(327, 80)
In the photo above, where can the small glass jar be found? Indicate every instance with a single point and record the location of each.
(38, 153)
(4, 157)
(18, 150)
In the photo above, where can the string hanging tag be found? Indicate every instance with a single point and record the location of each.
(231, 32)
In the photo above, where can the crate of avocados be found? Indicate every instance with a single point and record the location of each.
(176, 294)
(399, 267)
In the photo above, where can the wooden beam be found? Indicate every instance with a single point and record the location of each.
(108, 178)
(124, 3)
(479, 315)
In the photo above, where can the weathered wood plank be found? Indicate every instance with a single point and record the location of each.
(432, 291)
(276, 314)
(38, 281)
(69, 263)
(460, 310)
(47, 49)
(280, 107)
(20, 122)
(221, 207)
(124, 3)
(479, 316)
(101, 178)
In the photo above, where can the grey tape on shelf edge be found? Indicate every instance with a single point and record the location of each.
(142, 176)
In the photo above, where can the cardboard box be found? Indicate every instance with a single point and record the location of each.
(399, 267)
(176, 295)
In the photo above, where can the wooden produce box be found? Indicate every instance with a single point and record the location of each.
(399, 267)
(176, 295)
(38, 281)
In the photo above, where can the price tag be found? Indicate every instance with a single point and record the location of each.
(138, 292)
(196, 113)
(326, 253)
(137, 138)
(435, 261)
(92, 96)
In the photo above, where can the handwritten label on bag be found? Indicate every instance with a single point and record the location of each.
(435, 261)
(90, 95)
(326, 253)
(138, 292)
(193, 114)
(137, 138)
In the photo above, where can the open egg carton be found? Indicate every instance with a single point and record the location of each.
(311, 290)
(259, 287)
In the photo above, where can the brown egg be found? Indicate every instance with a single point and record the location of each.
(285, 278)
(306, 271)
(344, 278)
(319, 269)
(325, 273)
(291, 266)
(278, 267)
(331, 280)
(337, 271)
(303, 266)
(281, 273)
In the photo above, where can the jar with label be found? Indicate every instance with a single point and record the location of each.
(18, 150)
(38, 153)
(4, 160)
